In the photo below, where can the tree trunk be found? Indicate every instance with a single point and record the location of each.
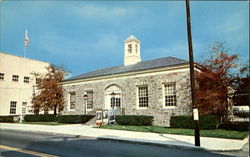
(55, 111)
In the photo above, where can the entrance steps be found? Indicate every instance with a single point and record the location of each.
(91, 122)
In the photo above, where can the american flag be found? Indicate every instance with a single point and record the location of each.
(26, 39)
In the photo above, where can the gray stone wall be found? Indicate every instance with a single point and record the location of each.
(129, 95)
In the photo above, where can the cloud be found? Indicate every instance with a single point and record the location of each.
(56, 44)
(103, 12)
(178, 49)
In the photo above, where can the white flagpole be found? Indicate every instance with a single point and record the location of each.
(25, 49)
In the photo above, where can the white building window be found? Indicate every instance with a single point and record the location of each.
(1, 76)
(170, 94)
(136, 48)
(115, 102)
(26, 79)
(13, 107)
(15, 78)
(38, 80)
(143, 96)
(129, 48)
(90, 100)
(72, 101)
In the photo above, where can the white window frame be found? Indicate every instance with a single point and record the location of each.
(13, 107)
(2, 76)
(69, 101)
(129, 48)
(16, 79)
(88, 100)
(164, 96)
(137, 97)
(26, 79)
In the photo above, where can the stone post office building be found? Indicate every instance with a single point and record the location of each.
(159, 87)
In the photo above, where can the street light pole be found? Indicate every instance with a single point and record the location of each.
(191, 64)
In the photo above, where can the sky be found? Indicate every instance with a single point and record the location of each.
(89, 35)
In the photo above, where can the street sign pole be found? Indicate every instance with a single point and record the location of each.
(191, 64)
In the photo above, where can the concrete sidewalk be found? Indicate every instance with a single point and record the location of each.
(169, 140)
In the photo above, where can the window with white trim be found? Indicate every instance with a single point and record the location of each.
(26, 79)
(13, 107)
(72, 101)
(38, 80)
(170, 94)
(90, 100)
(143, 96)
(129, 48)
(15, 78)
(115, 102)
(1, 76)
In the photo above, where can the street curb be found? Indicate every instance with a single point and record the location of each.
(154, 144)
(54, 133)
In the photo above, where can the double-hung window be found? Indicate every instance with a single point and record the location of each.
(1, 76)
(26, 79)
(72, 101)
(170, 94)
(90, 100)
(143, 96)
(129, 48)
(13, 107)
(15, 78)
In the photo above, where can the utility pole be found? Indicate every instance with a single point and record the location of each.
(191, 64)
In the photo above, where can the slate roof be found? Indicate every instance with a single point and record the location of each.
(143, 65)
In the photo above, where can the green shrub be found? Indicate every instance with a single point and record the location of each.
(135, 120)
(7, 119)
(207, 122)
(238, 126)
(74, 118)
(40, 118)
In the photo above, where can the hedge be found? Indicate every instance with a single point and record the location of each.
(74, 118)
(207, 122)
(40, 118)
(135, 120)
(238, 126)
(7, 119)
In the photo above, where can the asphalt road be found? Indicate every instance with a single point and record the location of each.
(16, 143)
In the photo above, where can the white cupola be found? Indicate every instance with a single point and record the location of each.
(131, 50)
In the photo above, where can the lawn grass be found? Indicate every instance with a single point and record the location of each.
(218, 133)
(44, 123)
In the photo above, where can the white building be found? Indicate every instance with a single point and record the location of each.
(17, 84)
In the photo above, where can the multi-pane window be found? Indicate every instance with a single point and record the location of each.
(143, 96)
(13, 107)
(129, 48)
(26, 79)
(90, 100)
(46, 111)
(170, 94)
(24, 104)
(38, 80)
(115, 102)
(72, 101)
(1, 76)
(15, 78)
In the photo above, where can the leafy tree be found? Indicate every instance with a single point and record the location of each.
(242, 89)
(216, 80)
(50, 92)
